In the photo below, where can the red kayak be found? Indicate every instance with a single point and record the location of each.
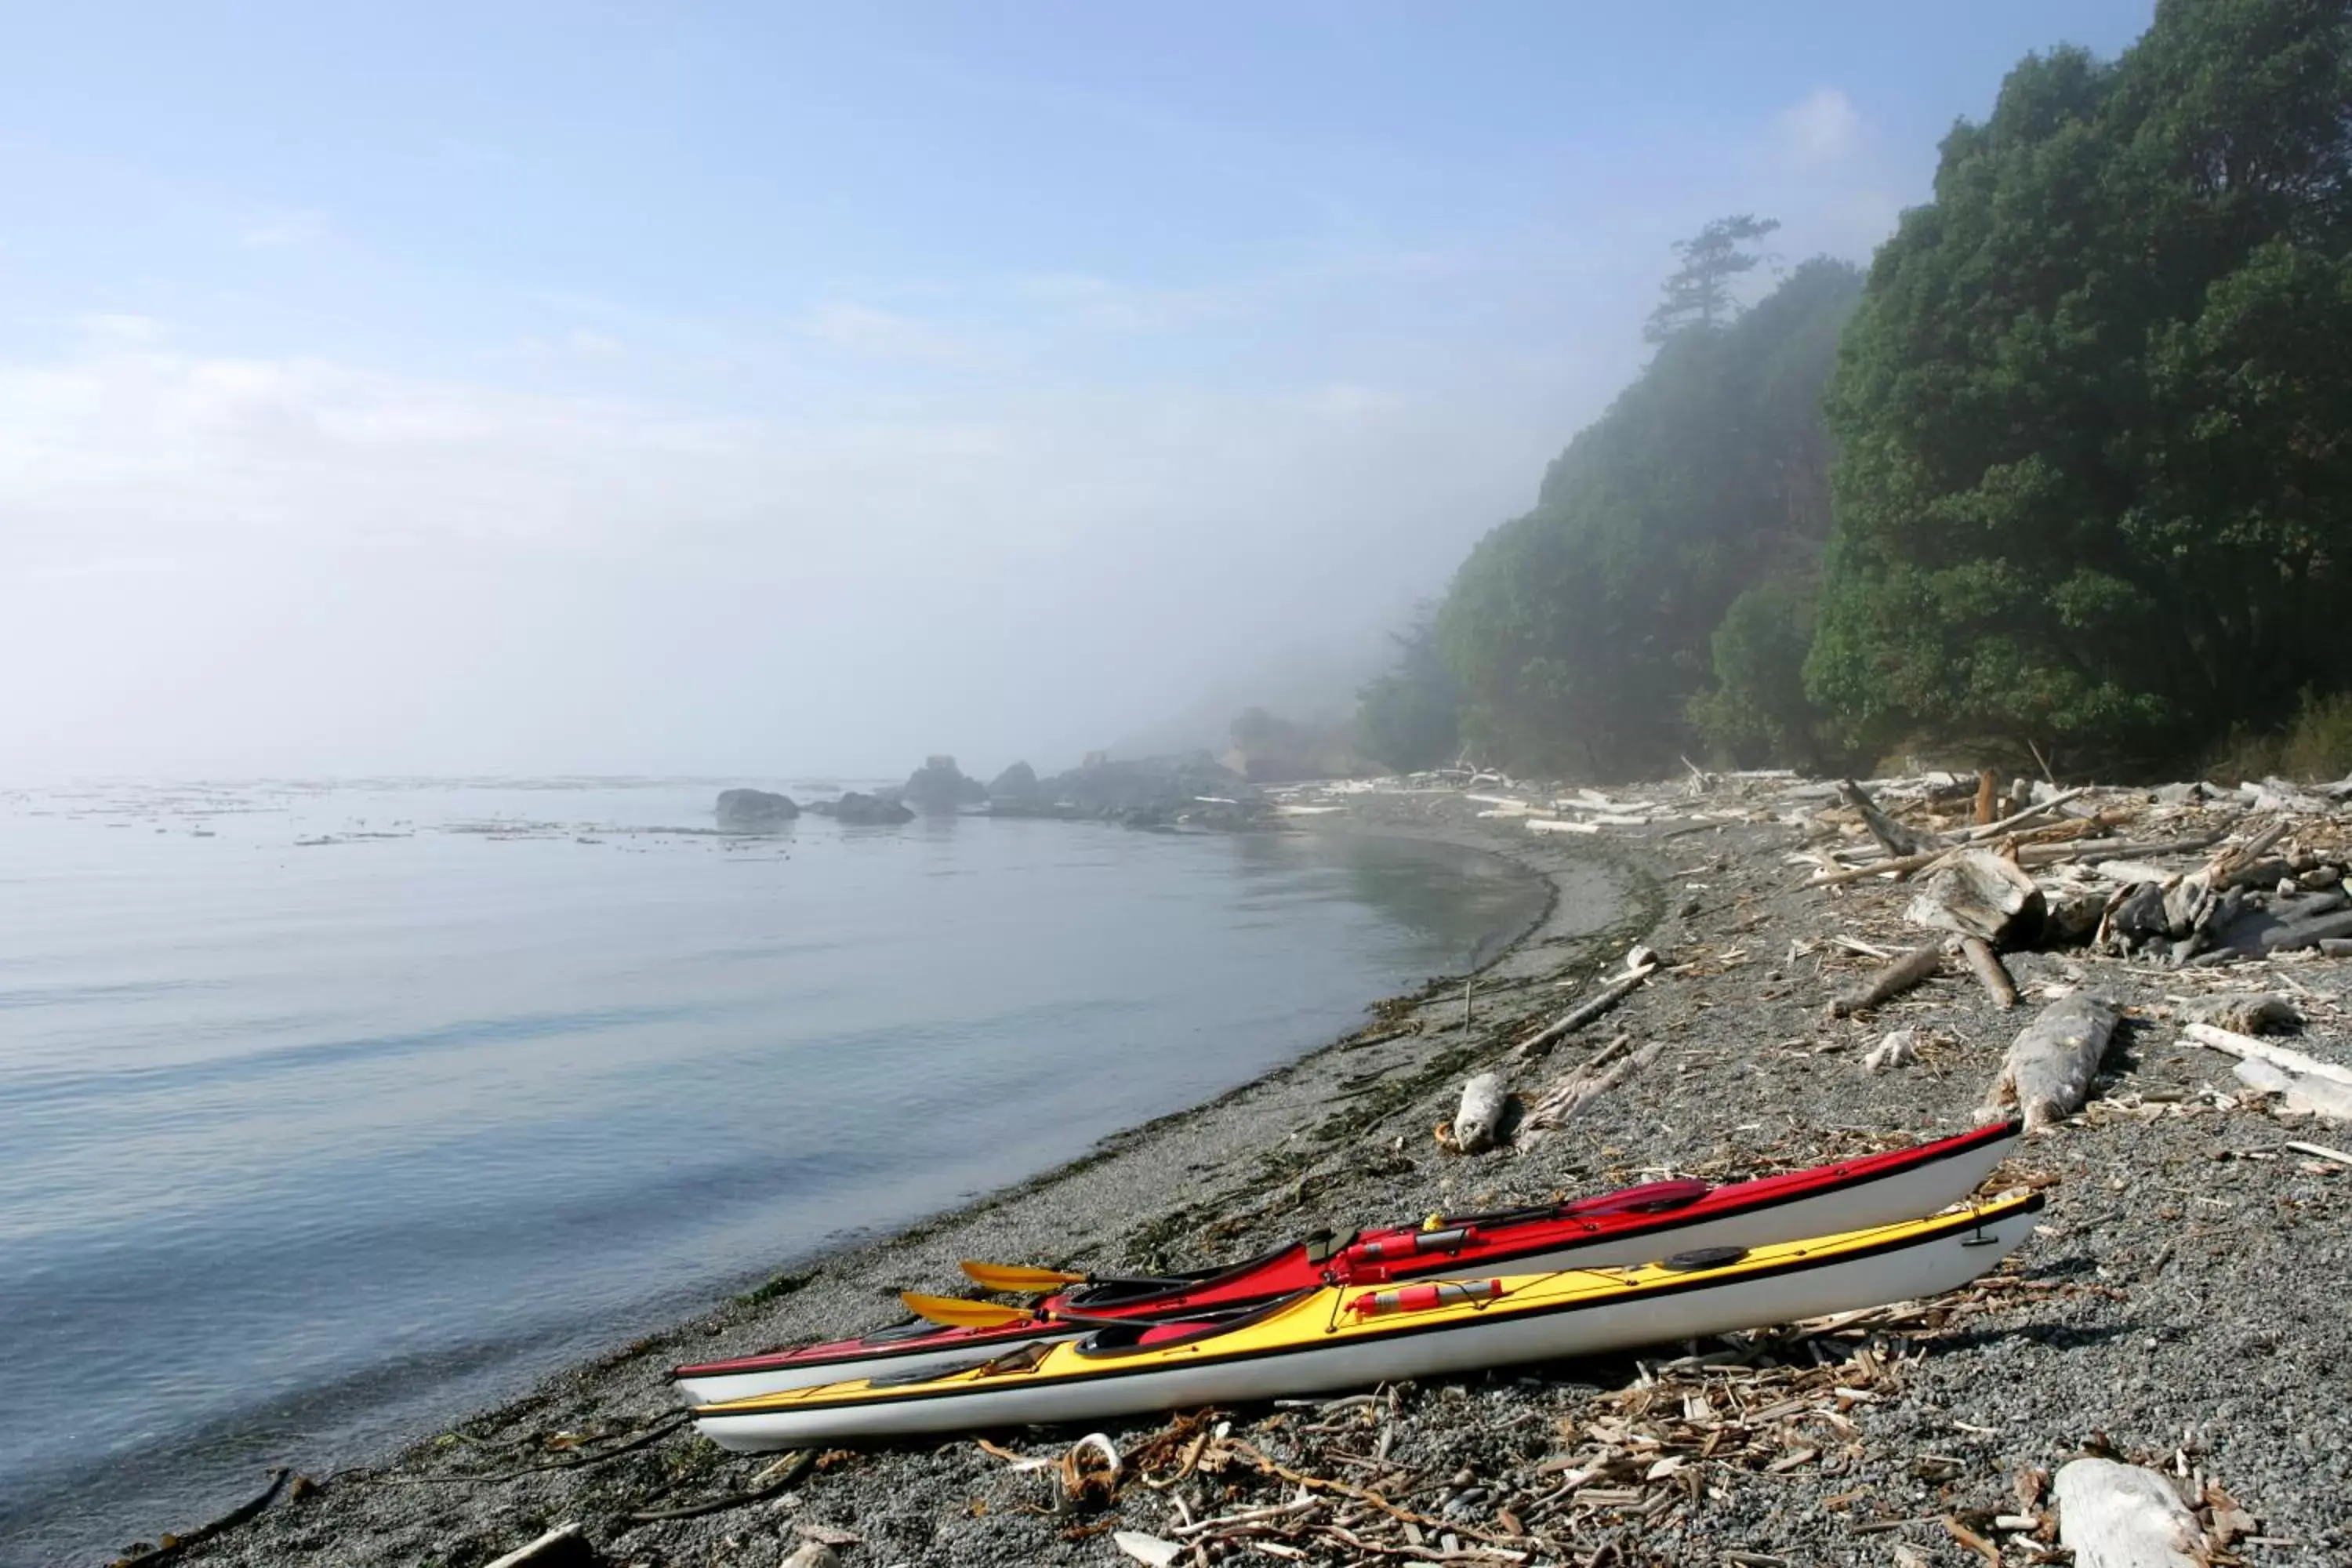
(1637, 1225)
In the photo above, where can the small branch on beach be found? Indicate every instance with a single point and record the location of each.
(652, 1433)
(1901, 866)
(563, 1543)
(2048, 1071)
(1989, 971)
(1891, 982)
(1540, 1043)
(173, 1545)
(773, 1482)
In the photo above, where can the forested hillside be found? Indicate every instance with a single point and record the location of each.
(2071, 470)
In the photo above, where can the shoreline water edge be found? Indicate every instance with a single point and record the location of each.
(2180, 1305)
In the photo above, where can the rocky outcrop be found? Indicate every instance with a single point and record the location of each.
(1018, 782)
(863, 810)
(1193, 790)
(753, 810)
(939, 785)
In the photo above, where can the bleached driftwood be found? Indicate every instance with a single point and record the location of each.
(1978, 893)
(1989, 971)
(2115, 1515)
(1609, 1066)
(2048, 1071)
(1583, 1013)
(2298, 1094)
(1479, 1124)
(1148, 1549)
(1891, 982)
(1898, 838)
(2018, 819)
(2245, 1048)
(560, 1544)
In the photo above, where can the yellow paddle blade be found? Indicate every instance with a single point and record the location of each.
(965, 1314)
(1017, 1278)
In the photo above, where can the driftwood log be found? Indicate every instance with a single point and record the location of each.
(1898, 839)
(1977, 894)
(1897, 977)
(2245, 1048)
(1607, 1068)
(1479, 1124)
(2298, 1095)
(1541, 1042)
(1989, 971)
(2114, 1515)
(2048, 1071)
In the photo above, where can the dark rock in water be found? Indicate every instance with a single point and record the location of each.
(1190, 791)
(1018, 782)
(752, 810)
(863, 810)
(939, 785)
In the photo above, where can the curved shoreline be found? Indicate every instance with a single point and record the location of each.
(842, 1286)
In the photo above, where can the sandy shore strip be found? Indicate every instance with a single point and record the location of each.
(2182, 1306)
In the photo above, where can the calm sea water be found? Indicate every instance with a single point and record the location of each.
(327, 1111)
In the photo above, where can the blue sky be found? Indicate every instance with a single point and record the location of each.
(766, 388)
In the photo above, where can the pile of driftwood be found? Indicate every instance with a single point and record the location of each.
(2179, 877)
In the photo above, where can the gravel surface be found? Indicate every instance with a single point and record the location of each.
(2183, 1304)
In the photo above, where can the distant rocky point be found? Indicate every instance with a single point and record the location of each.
(863, 810)
(1191, 790)
(753, 810)
(939, 785)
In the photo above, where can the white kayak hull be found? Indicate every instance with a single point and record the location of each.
(1942, 1262)
(1898, 1195)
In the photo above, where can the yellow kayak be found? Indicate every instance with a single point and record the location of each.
(1347, 1337)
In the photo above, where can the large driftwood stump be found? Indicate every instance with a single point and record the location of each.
(2050, 1065)
(1977, 894)
(2114, 1515)
(1479, 1124)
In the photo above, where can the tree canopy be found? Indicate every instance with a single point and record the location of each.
(2095, 409)
(2087, 450)
(1580, 631)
